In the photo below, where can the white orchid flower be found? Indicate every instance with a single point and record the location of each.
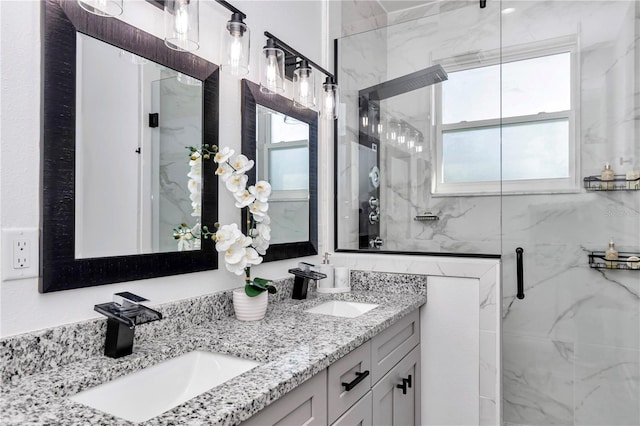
(261, 245)
(258, 210)
(236, 183)
(234, 254)
(226, 236)
(241, 164)
(261, 190)
(237, 268)
(266, 219)
(195, 197)
(224, 171)
(223, 155)
(194, 186)
(197, 209)
(196, 168)
(253, 258)
(243, 198)
(184, 244)
(264, 231)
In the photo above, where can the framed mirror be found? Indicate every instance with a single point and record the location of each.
(120, 111)
(283, 142)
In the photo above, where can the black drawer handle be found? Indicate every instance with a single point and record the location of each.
(405, 383)
(359, 377)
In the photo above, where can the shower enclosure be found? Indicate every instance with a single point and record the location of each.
(502, 154)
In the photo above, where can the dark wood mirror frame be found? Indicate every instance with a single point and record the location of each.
(59, 269)
(251, 95)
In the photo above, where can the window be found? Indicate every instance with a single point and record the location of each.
(283, 153)
(515, 122)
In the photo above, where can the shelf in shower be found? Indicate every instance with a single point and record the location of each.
(619, 183)
(627, 261)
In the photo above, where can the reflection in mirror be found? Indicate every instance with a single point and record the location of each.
(283, 160)
(134, 119)
(283, 141)
(134, 199)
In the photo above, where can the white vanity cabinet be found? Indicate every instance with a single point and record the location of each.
(305, 405)
(376, 384)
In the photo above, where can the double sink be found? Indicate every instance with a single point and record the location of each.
(147, 393)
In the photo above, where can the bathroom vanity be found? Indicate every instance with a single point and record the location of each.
(307, 361)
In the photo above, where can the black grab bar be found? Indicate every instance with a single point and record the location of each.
(520, 273)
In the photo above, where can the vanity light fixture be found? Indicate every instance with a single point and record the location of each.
(182, 25)
(299, 68)
(331, 98)
(272, 68)
(235, 42)
(105, 8)
(304, 86)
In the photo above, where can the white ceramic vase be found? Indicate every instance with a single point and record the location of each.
(249, 308)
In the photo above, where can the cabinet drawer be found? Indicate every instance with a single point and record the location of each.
(359, 414)
(305, 405)
(391, 345)
(355, 370)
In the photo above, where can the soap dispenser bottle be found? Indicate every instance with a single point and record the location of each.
(326, 285)
(611, 256)
(607, 177)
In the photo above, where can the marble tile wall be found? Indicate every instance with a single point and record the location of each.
(571, 348)
(180, 126)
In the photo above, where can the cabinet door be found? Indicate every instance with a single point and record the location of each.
(305, 405)
(358, 415)
(392, 344)
(390, 405)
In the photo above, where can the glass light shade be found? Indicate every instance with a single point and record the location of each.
(330, 100)
(235, 46)
(106, 8)
(272, 69)
(304, 86)
(182, 25)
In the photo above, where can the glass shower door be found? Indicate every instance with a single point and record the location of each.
(570, 100)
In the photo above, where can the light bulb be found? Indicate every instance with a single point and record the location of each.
(272, 72)
(235, 53)
(328, 103)
(304, 88)
(181, 22)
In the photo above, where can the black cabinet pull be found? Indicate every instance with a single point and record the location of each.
(405, 383)
(359, 377)
(520, 273)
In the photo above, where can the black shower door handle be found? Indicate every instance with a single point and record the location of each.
(520, 273)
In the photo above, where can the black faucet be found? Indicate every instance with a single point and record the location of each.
(123, 314)
(301, 281)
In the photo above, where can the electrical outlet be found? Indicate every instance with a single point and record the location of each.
(19, 253)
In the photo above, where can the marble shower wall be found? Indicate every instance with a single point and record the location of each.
(467, 224)
(180, 110)
(571, 348)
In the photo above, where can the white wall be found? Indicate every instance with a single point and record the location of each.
(299, 23)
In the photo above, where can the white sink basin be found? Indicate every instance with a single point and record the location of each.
(340, 308)
(142, 395)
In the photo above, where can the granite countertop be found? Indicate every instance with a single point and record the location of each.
(292, 346)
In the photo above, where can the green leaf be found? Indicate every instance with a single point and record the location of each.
(251, 291)
(261, 281)
(271, 289)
